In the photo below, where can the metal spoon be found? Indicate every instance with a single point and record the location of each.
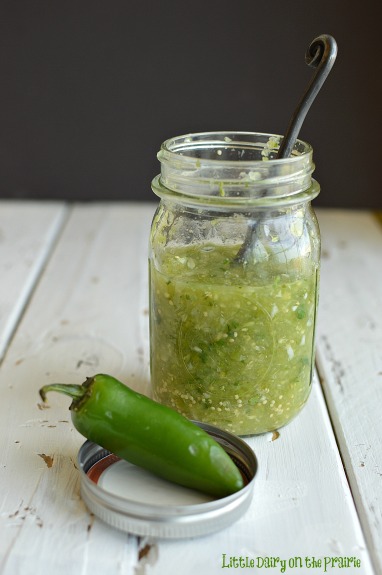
(321, 55)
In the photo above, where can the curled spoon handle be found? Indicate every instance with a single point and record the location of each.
(321, 55)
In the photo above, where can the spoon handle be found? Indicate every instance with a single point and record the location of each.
(321, 55)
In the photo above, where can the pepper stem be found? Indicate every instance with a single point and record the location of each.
(74, 391)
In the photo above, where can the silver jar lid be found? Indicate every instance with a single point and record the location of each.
(134, 500)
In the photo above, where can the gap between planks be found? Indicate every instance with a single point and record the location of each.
(45, 255)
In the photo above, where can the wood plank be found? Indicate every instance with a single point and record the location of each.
(89, 314)
(349, 355)
(27, 234)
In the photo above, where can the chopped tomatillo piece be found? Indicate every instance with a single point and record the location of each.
(149, 434)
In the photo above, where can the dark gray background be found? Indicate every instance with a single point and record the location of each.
(89, 89)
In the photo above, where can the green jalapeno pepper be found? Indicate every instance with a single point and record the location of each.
(149, 434)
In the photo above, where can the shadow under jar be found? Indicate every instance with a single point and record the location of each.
(234, 271)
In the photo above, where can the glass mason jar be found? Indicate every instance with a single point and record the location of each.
(234, 269)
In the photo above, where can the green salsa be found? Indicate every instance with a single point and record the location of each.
(228, 347)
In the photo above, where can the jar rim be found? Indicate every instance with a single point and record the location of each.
(176, 147)
(234, 167)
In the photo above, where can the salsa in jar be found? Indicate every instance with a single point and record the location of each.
(232, 339)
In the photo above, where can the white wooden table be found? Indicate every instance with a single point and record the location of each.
(74, 302)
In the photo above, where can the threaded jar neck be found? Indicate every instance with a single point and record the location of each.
(234, 169)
